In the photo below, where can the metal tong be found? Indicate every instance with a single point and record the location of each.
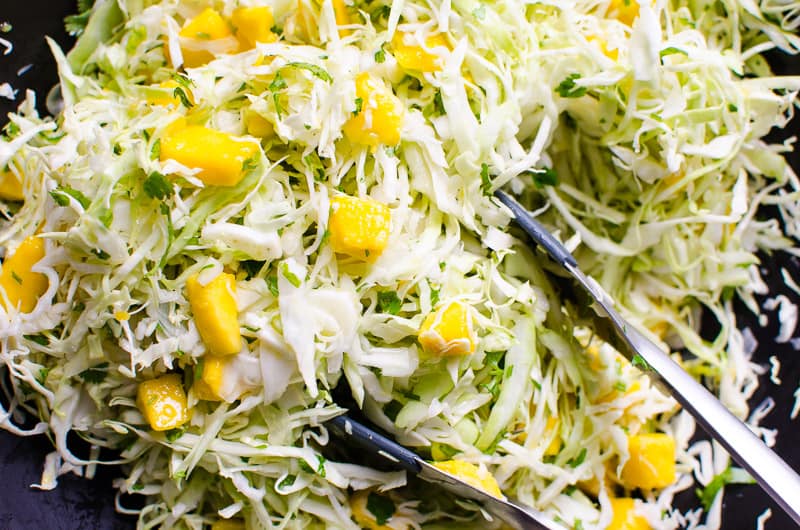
(779, 480)
(355, 433)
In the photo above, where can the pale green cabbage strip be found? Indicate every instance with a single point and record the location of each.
(640, 146)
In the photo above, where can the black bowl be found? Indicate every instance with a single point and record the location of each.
(79, 504)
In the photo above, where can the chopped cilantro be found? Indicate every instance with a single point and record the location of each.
(382, 508)
(389, 302)
(568, 89)
(156, 186)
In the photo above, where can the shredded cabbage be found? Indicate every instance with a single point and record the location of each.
(638, 142)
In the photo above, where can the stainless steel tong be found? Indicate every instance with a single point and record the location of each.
(779, 480)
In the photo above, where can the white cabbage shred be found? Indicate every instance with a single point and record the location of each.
(633, 129)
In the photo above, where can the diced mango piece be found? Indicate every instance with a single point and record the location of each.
(625, 11)
(625, 518)
(415, 57)
(205, 36)
(253, 24)
(212, 378)
(651, 463)
(258, 126)
(555, 444)
(162, 401)
(380, 117)
(473, 475)
(359, 227)
(215, 313)
(448, 331)
(612, 54)
(342, 17)
(228, 524)
(167, 96)
(10, 187)
(219, 155)
(22, 286)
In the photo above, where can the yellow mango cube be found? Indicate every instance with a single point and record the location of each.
(342, 17)
(219, 155)
(258, 126)
(380, 118)
(554, 447)
(253, 24)
(652, 461)
(448, 331)
(22, 286)
(228, 524)
(162, 402)
(215, 313)
(167, 96)
(612, 54)
(625, 518)
(359, 227)
(204, 37)
(473, 475)
(10, 187)
(415, 57)
(625, 11)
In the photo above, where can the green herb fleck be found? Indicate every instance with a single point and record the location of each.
(173, 434)
(568, 89)
(578, 460)
(544, 177)
(61, 196)
(101, 254)
(382, 508)
(16, 277)
(359, 104)
(639, 362)
(5, 27)
(389, 302)
(732, 108)
(380, 55)
(76, 24)
(486, 182)
(95, 375)
(671, 50)
(438, 103)
(729, 476)
(316, 71)
(272, 284)
(179, 94)
(287, 481)
(156, 186)
(41, 340)
(289, 275)
(155, 151)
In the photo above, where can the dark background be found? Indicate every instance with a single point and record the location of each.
(79, 504)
